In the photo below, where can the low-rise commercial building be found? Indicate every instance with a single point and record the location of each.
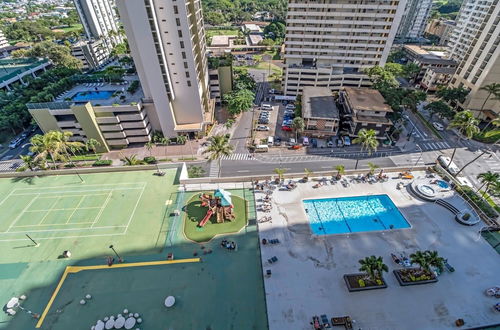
(436, 77)
(108, 114)
(220, 74)
(364, 108)
(441, 29)
(319, 111)
(428, 57)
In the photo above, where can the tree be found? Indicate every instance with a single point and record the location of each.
(368, 140)
(214, 18)
(181, 139)
(92, 144)
(298, 125)
(420, 259)
(435, 260)
(308, 173)
(466, 124)
(373, 267)
(411, 70)
(239, 101)
(280, 172)
(218, 147)
(372, 167)
(275, 30)
(427, 259)
(29, 163)
(195, 171)
(229, 123)
(164, 141)
(452, 95)
(132, 160)
(413, 99)
(340, 171)
(492, 89)
(149, 147)
(382, 79)
(60, 55)
(495, 122)
(487, 179)
(440, 108)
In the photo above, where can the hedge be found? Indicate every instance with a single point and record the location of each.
(150, 160)
(104, 162)
(478, 200)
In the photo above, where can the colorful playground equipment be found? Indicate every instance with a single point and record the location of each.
(220, 204)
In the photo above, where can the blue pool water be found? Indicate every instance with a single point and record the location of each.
(443, 184)
(94, 95)
(353, 214)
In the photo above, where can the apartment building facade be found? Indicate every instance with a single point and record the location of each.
(100, 21)
(167, 43)
(92, 54)
(414, 20)
(3, 41)
(474, 43)
(329, 43)
(440, 28)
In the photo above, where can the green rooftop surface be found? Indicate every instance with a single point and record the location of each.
(12, 67)
(133, 211)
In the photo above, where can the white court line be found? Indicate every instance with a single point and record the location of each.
(68, 209)
(74, 191)
(80, 202)
(61, 237)
(22, 212)
(87, 185)
(135, 207)
(103, 206)
(66, 196)
(55, 224)
(7, 197)
(46, 214)
(68, 229)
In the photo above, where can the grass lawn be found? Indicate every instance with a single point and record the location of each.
(228, 32)
(264, 66)
(74, 27)
(194, 213)
(85, 157)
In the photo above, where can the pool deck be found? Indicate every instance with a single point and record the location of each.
(307, 279)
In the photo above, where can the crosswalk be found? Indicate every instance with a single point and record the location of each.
(414, 159)
(492, 162)
(10, 165)
(214, 169)
(434, 145)
(237, 156)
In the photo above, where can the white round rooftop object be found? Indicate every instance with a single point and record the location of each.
(170, 301)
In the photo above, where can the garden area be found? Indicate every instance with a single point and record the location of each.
(195, 212)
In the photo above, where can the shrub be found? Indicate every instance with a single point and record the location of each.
(480, 202)
(104, 162)
(69, 165)
(466, 216)
(150, 160)
(134, 85)
(361, 283)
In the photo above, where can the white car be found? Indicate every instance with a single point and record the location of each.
(464, 182)
(290, 106)
(438, 126)
(448, 165)
(262, 128)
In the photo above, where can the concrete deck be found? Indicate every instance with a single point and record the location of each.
(307, 279)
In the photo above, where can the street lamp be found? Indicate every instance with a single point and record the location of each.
(419, 157)
(119, 258)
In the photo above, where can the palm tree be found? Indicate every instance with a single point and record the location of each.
(308, 173)
(29, 163)
(181, 139)
(92, 144)
(165, 141)
(280, 172)
(435, 260)
(340, 171)
(149, 147)
(298, 126)
(495, 122)
(487, 179)
(372, 167)
(420, 258)
(132, 160)
(218, 147)
(373, 267)
(368, 141)
(493, 88)
(466, 124)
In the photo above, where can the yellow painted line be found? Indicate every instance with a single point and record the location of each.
(76, 269)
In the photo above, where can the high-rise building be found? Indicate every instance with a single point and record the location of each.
(167, 43)
(3, 41)
(99, 20)
(441, 29)
(474, 44)
(414, 20)
(328, 43)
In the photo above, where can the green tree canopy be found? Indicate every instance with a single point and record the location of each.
(59, 55)
(275, 30)
(439, 108)
(239, 101)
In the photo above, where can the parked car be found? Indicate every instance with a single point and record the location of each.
(290, 106)
(286, 128)
(330, 143)
(289, 112)
(340, 143)
(15, 143)
(346, 140)
(262, 128)
(314, 143)
(263, 121)
(277, 141)
(272, 91)
(266, 106)
(438, 126)
(292, 142)
(447, 164)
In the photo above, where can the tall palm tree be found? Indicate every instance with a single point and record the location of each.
(487, 179)
(92, 144)
(149, 147)
(280, 172)
(340, 171)
(435, 260)
(298, 125)
(29, 163)
(218, 147)
(368, 141)
(372, 167)
(373, 267)
(466, 124)
(492, 89)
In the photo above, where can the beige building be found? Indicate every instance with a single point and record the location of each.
(92, 54)
(329, 43)
(110, 114)
(3, 41)
(167, 42)
(320, 113)
(474, 43)
(429, 57)
(435, 77)
(440, 28)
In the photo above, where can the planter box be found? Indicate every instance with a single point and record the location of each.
(397, 273)
(351, 280)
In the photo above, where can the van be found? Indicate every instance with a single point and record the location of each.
(448, 165)
(266, 106)
(270, 141)
(305, 141)
(261, 148)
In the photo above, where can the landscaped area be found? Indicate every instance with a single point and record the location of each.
(133, 212)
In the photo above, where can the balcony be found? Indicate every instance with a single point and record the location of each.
(118, 142)
(108, 120)
(116, 135)
(111, 128)
(137, 139)
(67, 124)
(135, 117)
(137, 132)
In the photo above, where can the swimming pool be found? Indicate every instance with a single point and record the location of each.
(92, 95)
(353, 214)
(443, 184)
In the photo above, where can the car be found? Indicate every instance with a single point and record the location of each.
(286, 128)
(263, 121)
(33, 129)
(438, 126)
(448, 164)
(262, 128)
(290, 106)
(340, 143)
(24, 135)
(292, 142)
(272, 91)
(314, 143)
(290, 111)
(287, 123)
(330, 143)
(464, 182)
(266, 106)
(346, 140)
(264, 112)
(277, 141)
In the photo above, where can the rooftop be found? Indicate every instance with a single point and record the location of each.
(368, 99)
(223, 40)
(11, 67)
(318, 102)
(252, 28)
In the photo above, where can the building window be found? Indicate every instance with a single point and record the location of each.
(182, 44)
(178, 22)
(185, 65)
(189, 83)
(183, 55)
(176, 10)
(187, 74)
(179, 32)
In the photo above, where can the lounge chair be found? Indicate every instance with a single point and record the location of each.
(268, 273)
(272, 260)
(337, 321)
(324, 320)
(315, 322)
(274, 241)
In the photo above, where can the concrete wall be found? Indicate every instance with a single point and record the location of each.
(87, 120)
(225, 79)
(45, 120)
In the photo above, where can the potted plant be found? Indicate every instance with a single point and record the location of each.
(427, 261)
(340, 171)
(280, 172)
(308, 173)
(371, 278)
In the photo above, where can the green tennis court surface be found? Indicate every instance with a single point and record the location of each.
(132, 211)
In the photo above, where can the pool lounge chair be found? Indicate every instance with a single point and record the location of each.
(315, 322)
(324, 320)
(272, 260)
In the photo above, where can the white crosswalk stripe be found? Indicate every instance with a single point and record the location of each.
(214, 169)
(238, 157)
(435, 145)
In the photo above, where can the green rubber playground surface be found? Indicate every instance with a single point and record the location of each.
(133, 211)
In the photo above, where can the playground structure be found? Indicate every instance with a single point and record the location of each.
(220, 204)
